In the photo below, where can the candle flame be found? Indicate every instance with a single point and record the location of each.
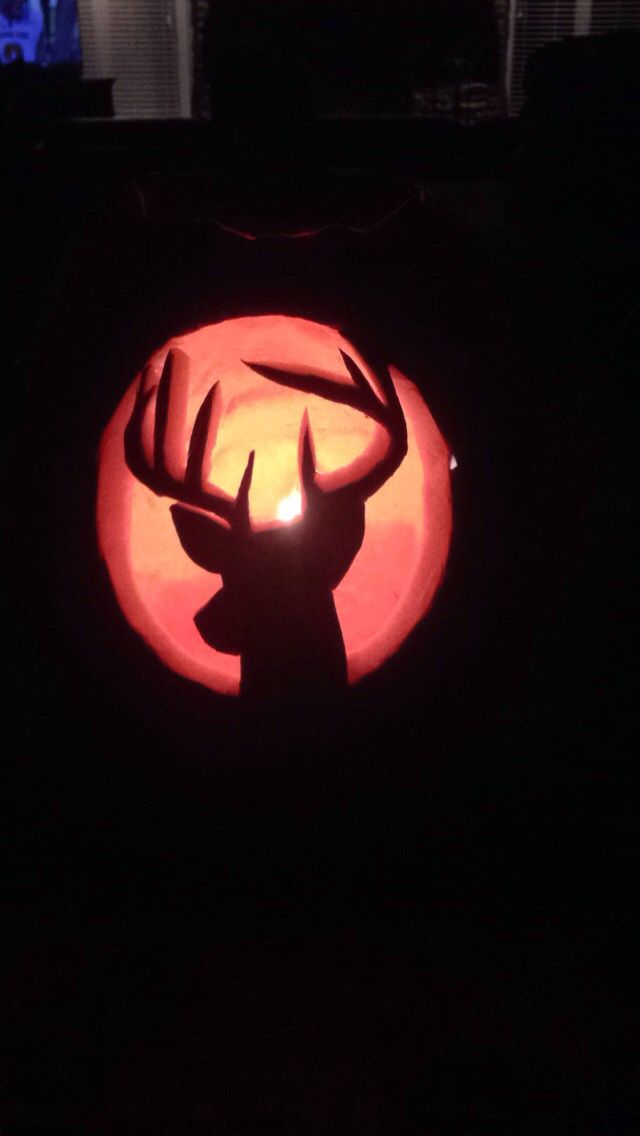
(290, 506)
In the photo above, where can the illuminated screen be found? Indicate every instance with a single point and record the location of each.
(42, 32)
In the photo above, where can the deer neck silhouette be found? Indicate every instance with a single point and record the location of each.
(276, 607)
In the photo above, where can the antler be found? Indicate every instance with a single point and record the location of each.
(192, 491)
(156, 476)
(360, 396)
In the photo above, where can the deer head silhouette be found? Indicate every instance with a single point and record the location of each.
(275, 608)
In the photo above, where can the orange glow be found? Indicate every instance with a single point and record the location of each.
(394, 577)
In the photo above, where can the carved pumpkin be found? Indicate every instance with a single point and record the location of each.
(392, 580)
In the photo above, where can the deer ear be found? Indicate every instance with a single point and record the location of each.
(204, 540)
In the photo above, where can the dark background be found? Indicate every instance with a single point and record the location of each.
(419, 912)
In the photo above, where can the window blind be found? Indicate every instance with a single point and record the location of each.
(144, 45)
(536, 22)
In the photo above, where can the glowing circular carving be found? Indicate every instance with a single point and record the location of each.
(393, 578)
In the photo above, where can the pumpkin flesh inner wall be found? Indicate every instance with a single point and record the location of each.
(392, 580)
